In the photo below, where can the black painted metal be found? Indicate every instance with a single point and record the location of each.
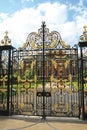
(5, 79)
(83, 68)
(82, 85)
(43, 29)
(45, 77)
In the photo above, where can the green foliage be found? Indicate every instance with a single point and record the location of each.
(16, 74)
(29, 74)
(85, 73)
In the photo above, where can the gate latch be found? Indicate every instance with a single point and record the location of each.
(46, 94)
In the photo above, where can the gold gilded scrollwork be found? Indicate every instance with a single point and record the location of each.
(51, 78)
(83, 37)
(33, 44)
(67, 63)
(3, 79)
(26, 85)
(21, 64)
(3, 90)
(21, 106)
(85, 79)
(33, 63)
(54, 79)
(35, 78)
(53, 44)
(67, 106)
(54, 63)
(70, 77)
(64, 44)
(51, 40)
(56, 107)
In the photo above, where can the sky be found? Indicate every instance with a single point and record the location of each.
(21, 17)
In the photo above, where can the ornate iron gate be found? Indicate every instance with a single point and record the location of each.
(43, 77)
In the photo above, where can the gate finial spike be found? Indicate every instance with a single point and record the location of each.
(6, 32)
(43, 24)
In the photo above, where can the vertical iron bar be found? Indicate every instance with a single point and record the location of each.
(0, 63)
(79, 82)
(43, 29)
(82, 86)
(11, 80)
(8, 85)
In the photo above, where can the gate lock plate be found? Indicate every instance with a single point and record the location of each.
(46, 94)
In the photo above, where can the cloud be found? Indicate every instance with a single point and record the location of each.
(3, 16)
(53, 12)
(27, 20)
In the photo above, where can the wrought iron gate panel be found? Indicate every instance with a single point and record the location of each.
(65, 102)
(45, 75)
(85, 82)
(6, 53)
(3, 72)
(83, 79)
(61, 102)
(48, 102)
(23, 101)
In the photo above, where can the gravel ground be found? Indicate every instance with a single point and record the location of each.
(36, 123)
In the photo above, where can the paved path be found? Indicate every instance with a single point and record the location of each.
(35, 123)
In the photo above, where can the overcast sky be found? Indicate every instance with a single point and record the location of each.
(21, 17)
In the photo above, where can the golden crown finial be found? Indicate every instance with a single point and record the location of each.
(6, 41)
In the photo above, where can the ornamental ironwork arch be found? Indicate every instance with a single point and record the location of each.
(51, 60)
(52, 40)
